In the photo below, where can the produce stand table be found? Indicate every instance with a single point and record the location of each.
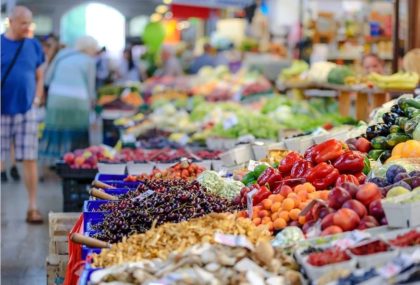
(367, 98)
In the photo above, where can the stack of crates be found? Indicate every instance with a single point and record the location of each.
(60, 225)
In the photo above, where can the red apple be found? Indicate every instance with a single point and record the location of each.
(331, 230)
(356, 206)
(337, 197)
(368, 193)
(327, 221)
(351, 188)
(324, 211)
(68, 158)
(384, 221)
(363, 145)
(368, 222)
(79, 160)
(376, 210)
(346, 219)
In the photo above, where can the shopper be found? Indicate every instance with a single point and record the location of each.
(102, 68)
(170, 64)
(129, 69)
(21, 92)
(372, 63)
(71, 81)
(206, 59)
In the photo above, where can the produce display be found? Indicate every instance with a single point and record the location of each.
(120, 96)
(411, 238)
(370, 248)
(395, 179)
(160, 242)
(400, 80)
(219, 186)
(180, 170)
(396, 126)
(220, 264)
(328, 256)
(168, 201)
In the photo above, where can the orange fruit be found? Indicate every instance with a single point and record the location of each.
(257, 208)
(312, 195)
(272, 197)
(278, 198)
(274, 216)
(267, 204)
(294, 214)
(303, 195)
(323, 194)
(256, 221)
(275, 207)
(279, 224)
(288, 204)
(309, 187)
(302, 220)
(270, 226)
(295, 198)
(285, 190)
(263, 213)
(303, 205)
(266, 220)
(299, 188)
(284, 215)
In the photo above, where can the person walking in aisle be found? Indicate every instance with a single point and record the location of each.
(21, 92)
(71, 95)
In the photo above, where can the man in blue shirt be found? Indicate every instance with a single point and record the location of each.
(206, 59)
(21, 91)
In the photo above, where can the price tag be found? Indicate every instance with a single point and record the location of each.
(230, 121)
(144, 195)
(249, 197)
(233, 240)
(252, 164)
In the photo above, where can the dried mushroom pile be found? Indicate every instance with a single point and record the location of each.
(161, 241)
(210, 265)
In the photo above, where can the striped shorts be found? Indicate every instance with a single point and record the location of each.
(22, 131)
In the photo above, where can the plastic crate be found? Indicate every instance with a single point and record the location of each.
(74, 194)
(87, 272)
(91, 213)
(110, 177)
(120, 184)
(65, 171)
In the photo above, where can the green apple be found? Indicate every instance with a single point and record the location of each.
(397, 191)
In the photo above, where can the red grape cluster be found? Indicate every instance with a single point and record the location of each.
(172, 201)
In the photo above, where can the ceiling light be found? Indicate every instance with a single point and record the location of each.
(155, 17)
(162, 9)
(167, 2)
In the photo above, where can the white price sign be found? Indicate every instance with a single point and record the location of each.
(249, 204)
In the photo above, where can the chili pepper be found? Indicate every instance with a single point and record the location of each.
(262, 194)
(366, 167)
(346, 178)
(323, 175)
(350, 162)
(328, 150)
(301, 169)
(288, 161)
(361, 177)
(266, 175)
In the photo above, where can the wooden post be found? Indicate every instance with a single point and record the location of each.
(396, 36)
(378, 99)
(344, 102)
(413, 24)
(362, 106)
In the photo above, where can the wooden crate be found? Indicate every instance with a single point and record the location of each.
(60, 225)
(56, 268)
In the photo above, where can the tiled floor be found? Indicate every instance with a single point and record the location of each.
(24, 247)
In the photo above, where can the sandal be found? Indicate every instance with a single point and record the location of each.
(34, 217)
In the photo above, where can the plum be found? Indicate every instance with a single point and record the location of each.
(400, 176)
(414, 173)
(415, 182)
(392, 171)
(402, 184)
(380, 181)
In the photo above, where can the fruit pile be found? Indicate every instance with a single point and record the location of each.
(171, 201)
(399, 80)
(399, 125)
(370, 248)
(348, 207)
(89, 157)
(278, 211)
(410, 238)
(181, 170)
(328, 256)
(397, 180)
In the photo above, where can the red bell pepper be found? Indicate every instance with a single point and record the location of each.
(361, 177)
(323, 175)
(346, 178)
(301, 169)
(350, 162)
(274, 180)
(327, 151)
(262, 194)
(266, 175)
(288, 161)
(310, 154)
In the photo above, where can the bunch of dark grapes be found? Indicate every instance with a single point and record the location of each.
(173, 201)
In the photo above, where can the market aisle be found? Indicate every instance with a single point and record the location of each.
(24, 247)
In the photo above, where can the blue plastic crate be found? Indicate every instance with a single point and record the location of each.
(110, 177)
(86, 274)
(120, 184)
(118, 191)
(89, 216)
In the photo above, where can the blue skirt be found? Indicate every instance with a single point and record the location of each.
(55, 143)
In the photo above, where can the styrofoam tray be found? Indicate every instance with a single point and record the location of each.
(136, 168)
(238, 155)
(299, 144)
(374, 260)
(315, 272)
(214, 143)
(216, 164)
(402, 215)
(259, 151)
(205, 164)
(111, 168)
(393, 234)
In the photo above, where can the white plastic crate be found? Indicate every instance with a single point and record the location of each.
(111, 168)
(134, 168)
(402, 215)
